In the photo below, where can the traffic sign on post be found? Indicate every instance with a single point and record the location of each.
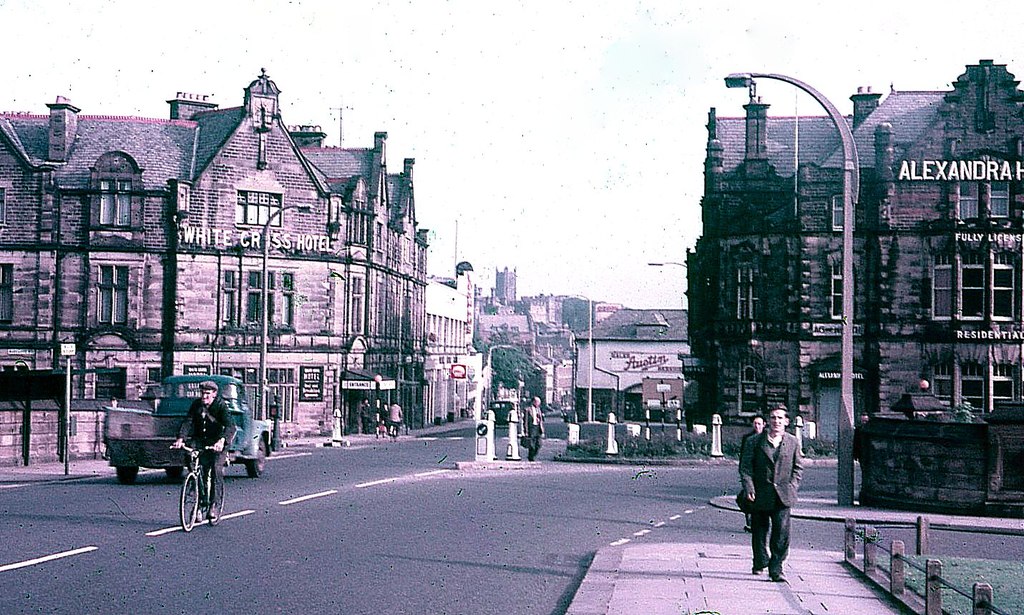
(457, 370)
(67, 349)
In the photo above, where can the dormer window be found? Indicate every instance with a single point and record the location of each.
(116, 180)
(115, 202)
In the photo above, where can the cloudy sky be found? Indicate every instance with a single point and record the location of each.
(563, 139)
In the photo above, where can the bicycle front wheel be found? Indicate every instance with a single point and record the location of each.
(189, 502)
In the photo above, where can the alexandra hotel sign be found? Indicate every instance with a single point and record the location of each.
(961, 170)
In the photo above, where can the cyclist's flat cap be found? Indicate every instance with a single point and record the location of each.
(208, 385)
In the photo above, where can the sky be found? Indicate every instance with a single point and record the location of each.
(562, 139)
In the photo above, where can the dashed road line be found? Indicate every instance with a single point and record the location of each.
(430, 473)
(308, 497)
(641, 533)
(47, 558)
(675, 517)
(373, 483)
(659, 524)
(618, 542)
(177, 528)
(277, 457)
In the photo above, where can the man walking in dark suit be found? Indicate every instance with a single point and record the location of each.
(771, 477)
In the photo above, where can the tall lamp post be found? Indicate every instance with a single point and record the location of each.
(671, 263)
(265, 317)
(851, 187)
(592, 359)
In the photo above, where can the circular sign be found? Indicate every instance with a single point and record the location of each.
(457, 370)
(481, 429)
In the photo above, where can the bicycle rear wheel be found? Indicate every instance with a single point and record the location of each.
(189, 509)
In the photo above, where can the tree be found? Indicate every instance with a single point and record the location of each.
(509, 367)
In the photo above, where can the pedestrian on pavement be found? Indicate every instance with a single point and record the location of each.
(533, 428)
(211, 429)
(394, 420)
(365, 417)
(771, 478)
(758, 426)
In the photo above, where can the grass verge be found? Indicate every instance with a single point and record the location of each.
(1005, 577)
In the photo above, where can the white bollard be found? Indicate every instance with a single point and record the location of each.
(799, 432)
(613, 446)
(512, 452)
(812, 430)
(574, 433)
(485, 437)
(336, 429)
(716, 435)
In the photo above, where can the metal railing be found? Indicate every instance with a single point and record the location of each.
(894, 579)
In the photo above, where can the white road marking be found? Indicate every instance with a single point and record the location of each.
(177, 528)
(618, 542)
(675, 517)
(47, 558)
(376, 482)
(287, 456)
(308, 497)
(659, 524)
(15, 485)
(688, 511)
(430, 473)
(642, 533)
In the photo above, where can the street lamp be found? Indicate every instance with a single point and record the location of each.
(593, 356)
(851, 187)
(264, 317)
(672, 263)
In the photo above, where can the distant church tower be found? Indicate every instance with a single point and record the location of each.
(505, 286)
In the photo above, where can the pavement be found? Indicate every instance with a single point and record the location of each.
(651, 578)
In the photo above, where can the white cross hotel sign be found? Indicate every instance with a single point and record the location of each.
(224, 238)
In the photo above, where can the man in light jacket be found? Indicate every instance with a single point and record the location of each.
(771, 476)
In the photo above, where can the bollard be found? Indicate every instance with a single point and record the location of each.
(716, 435)
(897, 569)
(850, 540)
(799, 432)
(932, 588)
(574, 433)
(647, 424)
(812, 430)
(870, 551)
(485, 437)
(613, 446)
(336, 436)
(679, 424)
(512, 452)
(982, 599)
(922, 536)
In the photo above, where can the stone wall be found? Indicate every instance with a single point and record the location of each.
(924, 465)
(86, 438)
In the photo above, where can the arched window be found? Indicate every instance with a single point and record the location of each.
(115, 179)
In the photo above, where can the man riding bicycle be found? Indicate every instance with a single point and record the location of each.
(211, 428)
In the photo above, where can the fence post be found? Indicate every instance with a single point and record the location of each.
(897, 572)
(850, 540)
(932, 588)
(870, 551)
(982, 599)
(922, 536)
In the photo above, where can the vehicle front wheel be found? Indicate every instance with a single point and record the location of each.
(254, 467)
(126, 474)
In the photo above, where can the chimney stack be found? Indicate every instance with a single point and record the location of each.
(63, 128)
(185, 106)
(307, 136)
(409, 162)
(757, 130)
(864, 103)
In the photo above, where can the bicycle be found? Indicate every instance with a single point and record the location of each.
(196, 492)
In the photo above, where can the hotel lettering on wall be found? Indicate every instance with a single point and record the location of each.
(311, 383)
(251, 239)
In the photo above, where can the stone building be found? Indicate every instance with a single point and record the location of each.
(149, 243)
(939, 255)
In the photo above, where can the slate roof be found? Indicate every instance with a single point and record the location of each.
(162, 148)
(909, 113)
(215, 127)
(338, 164)
(650, 325)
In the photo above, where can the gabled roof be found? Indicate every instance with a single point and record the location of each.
(215, 127)
(650, 325)
(909, 113)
